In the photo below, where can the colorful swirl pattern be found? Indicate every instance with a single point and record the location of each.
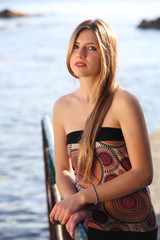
(130, 213)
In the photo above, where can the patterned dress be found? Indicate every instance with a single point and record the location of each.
(133, 212)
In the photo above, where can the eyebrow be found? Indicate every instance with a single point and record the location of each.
(90, 43)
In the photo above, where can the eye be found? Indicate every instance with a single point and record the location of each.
(92, 48)
(75, 46)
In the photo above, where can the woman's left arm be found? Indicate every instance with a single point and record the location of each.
(131, 120)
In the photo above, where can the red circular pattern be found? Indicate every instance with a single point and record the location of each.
(110, 177)
(121, 152)
(125, 162)
(100, 216)
(130, 213)
(132, 208)
(136, 228)
(106, 159)
(115, 226)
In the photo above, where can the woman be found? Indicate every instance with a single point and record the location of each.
(104, 171)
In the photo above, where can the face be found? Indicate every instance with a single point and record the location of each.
(85, 60)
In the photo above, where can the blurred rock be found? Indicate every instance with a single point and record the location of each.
(9, 14)
(150, 24)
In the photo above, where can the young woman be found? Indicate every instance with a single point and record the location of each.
(102, 151)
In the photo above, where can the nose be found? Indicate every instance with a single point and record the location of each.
(81, 53)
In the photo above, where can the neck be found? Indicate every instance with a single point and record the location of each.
(87, 88)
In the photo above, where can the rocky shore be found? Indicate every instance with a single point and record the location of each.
(11, 14)
(8, 14)
(155, 186)
(145, 24)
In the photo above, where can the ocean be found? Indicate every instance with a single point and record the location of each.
(33, 75)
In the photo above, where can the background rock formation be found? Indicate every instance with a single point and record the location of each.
(150, 24)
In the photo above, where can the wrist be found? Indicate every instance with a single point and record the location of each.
(82, 198)
(87, 196)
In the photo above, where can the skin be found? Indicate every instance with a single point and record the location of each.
(70, 114)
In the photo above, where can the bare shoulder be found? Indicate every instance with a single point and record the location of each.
(61, 108)
(125, 100)
(129, 113)
(127, 108)
(124, 97)
(63, 103)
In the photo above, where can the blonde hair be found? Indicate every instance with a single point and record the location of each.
(106, 88)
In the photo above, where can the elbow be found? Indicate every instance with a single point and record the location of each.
(144, 178)
(148, 177)
(58, 176)
(63, 174)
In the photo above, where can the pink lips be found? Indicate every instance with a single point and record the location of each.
(80, 64)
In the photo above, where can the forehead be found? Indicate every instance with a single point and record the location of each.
(87, 36)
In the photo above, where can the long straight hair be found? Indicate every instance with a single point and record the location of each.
(106, 88)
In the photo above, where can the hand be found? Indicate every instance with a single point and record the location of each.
(80, 216)
(64, 209)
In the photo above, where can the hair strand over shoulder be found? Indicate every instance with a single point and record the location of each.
(106, 88)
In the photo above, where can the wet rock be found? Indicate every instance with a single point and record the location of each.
(10, 14)
(145, 24)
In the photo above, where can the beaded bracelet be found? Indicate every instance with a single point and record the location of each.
(97, 198)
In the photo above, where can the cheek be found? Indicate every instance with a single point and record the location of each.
(98, 64)
(71, 62)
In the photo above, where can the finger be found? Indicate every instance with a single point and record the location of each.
(61, 216)
(85, 223)
(68, 227)
(54, 215)
(68, 224)
(72, 228)
(74, 220)
(51, 217)
(65, 218)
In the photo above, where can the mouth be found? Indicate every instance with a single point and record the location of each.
(80, 64)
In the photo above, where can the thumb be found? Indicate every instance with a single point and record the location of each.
(85, 223)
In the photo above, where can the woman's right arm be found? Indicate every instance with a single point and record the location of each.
(64, 172)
